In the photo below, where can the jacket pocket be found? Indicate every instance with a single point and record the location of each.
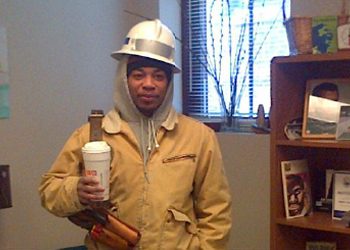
(180, 158)
(179, 232)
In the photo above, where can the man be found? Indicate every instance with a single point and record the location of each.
(167, 177)
(297, 200)
(326, 90)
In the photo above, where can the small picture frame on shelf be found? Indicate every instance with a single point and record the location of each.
(343, 32)
(341, 194)
(296, 188)
(343, 127)
(324, 34)
(323, 99)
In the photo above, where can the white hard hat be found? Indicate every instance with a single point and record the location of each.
(150, 39)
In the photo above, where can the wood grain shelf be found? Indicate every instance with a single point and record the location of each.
(317, 221)
(315, 143)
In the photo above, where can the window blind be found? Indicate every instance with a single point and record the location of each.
(221, 38)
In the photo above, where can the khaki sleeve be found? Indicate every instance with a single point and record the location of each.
(58, 187)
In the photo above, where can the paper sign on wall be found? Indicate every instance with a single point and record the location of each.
(4, 76)
(4, 101)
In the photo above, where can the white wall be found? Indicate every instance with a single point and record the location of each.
(169, 11)
(247, 159)
(60, 68)
(318, 7)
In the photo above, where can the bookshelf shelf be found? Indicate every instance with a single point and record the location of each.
(307, 58)
(317, 221)
(315, 143)
(289, 75)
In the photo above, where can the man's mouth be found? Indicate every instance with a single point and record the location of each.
(148, 98)
(294, 207)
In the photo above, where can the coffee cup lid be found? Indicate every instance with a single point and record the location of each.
(96, 147)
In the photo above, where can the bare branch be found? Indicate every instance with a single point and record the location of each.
(225, 54)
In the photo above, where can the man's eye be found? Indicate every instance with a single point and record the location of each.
(297, 191)
(137, 76)
(159, 77)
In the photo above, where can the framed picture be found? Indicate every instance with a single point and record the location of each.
(341, 194)
(343, 127)
(343, 36)
(323, 99)
(296, 188)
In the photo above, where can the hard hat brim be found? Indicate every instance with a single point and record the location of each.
(120, 53)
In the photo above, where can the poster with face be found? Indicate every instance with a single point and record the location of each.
(296, 188)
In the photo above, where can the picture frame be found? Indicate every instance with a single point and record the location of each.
(297, 195)
(323, 99)
(343, 127)
(343, 32)
(341, 194)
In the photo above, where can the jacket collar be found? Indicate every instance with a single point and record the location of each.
(112, 122)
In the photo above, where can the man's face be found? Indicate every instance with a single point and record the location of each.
(295, 198)
(147, 87)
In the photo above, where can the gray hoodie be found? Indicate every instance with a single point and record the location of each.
(145, 128)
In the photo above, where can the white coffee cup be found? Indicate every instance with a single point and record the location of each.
(97, 161)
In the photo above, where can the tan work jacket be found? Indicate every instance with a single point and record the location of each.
(184, 203)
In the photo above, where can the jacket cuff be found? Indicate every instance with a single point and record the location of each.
(72, 191)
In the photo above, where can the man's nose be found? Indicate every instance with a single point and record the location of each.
(292, 198)
(148, 82)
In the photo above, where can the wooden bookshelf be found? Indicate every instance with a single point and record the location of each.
(288, 84)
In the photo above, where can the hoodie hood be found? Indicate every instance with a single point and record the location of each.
(145, 128)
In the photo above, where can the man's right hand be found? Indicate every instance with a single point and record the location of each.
(89, 190)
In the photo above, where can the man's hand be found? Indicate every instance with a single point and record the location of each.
(89, 190)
